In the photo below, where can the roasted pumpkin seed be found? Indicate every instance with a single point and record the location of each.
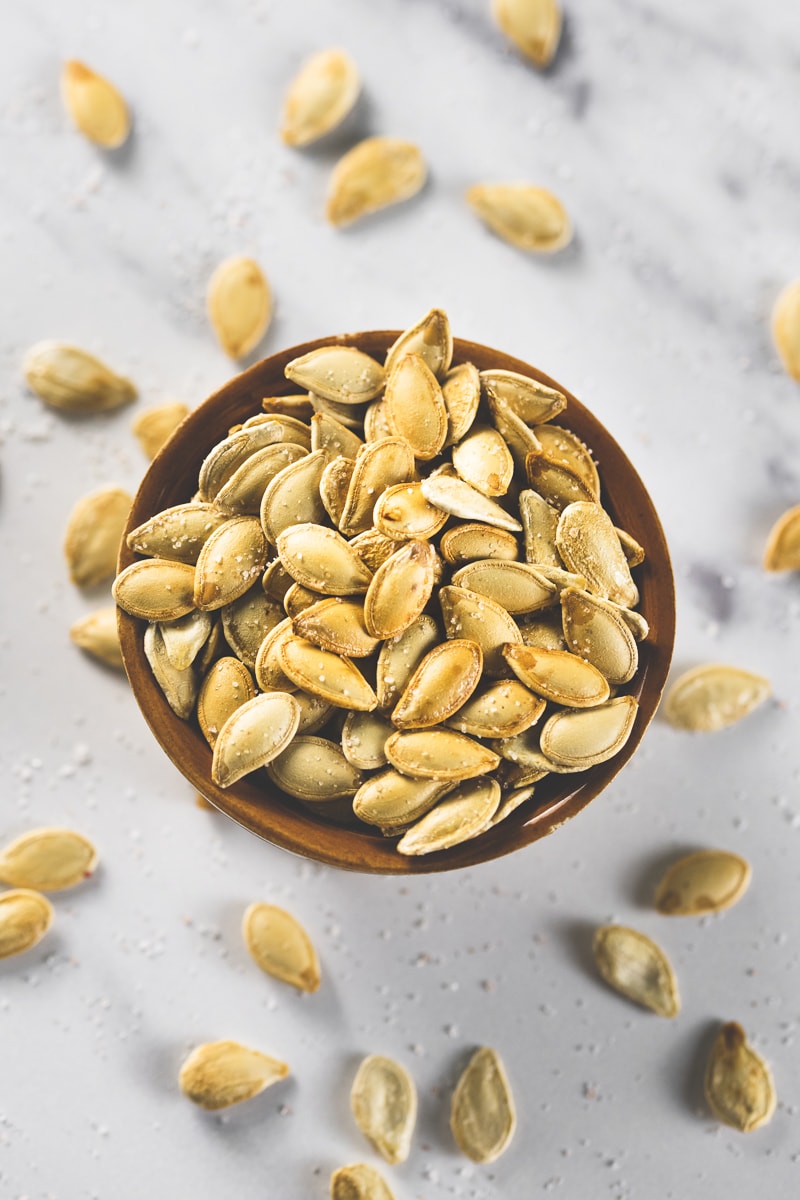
(415, 407)
(738, 1083)
(399, 590)
(47, 860)
(442, 682)
(634, 965)
(713, 696)
(280, 946)
(254, 734)
(339, 373)
(516, 587)
(218, 1074)
(239, 305)
(782, 552)
(25, 917)
(332, 677)
(93, 535)
(230, 562)
(315, 769)
(533, 25)
(359, 1181)
(482, 1115)
(376, 173)
(155, 589)
(227, 686)
(177, 533)
(97, 635)
(461, 500)
(364, 737)
(319, 97)
(461, 392)
(586, 737)
(481, 620)
(458, 817)
(706, 881)
(383, 1100)
(440, 754)
(155, 426)
(786, 328)
(336, 625)
(528, 217)
(73, 380)
(499, 710)
(587, 542)
(595, 631)
(95, 105)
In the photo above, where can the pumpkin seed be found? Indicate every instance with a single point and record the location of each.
(546, 631)
(184, 639)
(315, 769)
(414, 406)
(393, 801)
(292, 496)
(334, 485)
(539, 522)
(280, 946)
(510, 803)
(383, 1100)
(230, 561)
(530, 218)
(350, 415)
(364, 736)
(97, 635)
(359, 1181)
(522, 748)
(482, 1115)
(297, 407)
(247, 621)
(25, 917)
(373, 547)
(713, 696)
(71, 379)
(442, 682)
(499, 710)
(588, 544)
(218, 1074)
(314, 712)
(336, 625)
(97, 108)
(585, 738)
(399, 590)
(483, 460)
(320, 559)
(519, 437)
(439, 754)
(533, 25)
(47, 860)
(402, 513)
(376, 422)
(226, 458)
(155, 590)
(275, 582)
(458, 817)
(461, 500)
(243, 494)
(595, 631)
(270, 676)
(706, 881)
(214, 647)
(377, 172)
(255, 733)
(634, 553)
(461, 392)
(239, 305)
(399, 657)
(517, 587)
(227, 686)
(635, 966)
(155, 426)
(481, 620)
(178, 684)
(332, 436)
(319, 97)
(558, 484)
(430, 338)
(786, 328)
(93, 535)
(332, 677)
(298, 599)
(339, 373)
(783, 545)
(379, 465)
(464, 543)
(177, 533)
(738, 1083)
(562, 445)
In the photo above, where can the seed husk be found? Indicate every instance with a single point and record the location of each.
(298, 599)
(539, 522)
(786, 328)
(332, 436)
(415, 407)
(379, 465)
(533, 25)
(703, 882)
(519, 437)
(351, 415)
(393, 801)
(155, 589)
(499, 710)
(383, 1100)
(430, 338)
(280, 946)
(483, 460)
(584, 738)
(399, 590)
(359, 1181)
(218, 1074)
(47, 860)
(635, 966)
(319, 97)
(73, 380)
(336, 625)
(403, 514)
(454, 496)
(376, 173)
(738, 1083)
(510, 802)
(399, 657)
(634, 553)
(254, 734)
(247, 621)
(516, 587)
(225, 459)
(339, 373)
(530, 218)
(461, 392)
(563, 446)
(782, 552)
(458, 817)
(364, 737)
(243, 494)
(155, 426)
(315, 769)
(178, 684)
(332, 677)
(239, 305)
(482, 1115)
(441, 754)
(97, 635)
(93, 535)
(587, 542)
(95, 105)
(177, 533)
(713, 696)
(293, 496)
(595, 630)
(314, 712)
(481, 620)
(227, 686)
(321, 560)
(545, 631)
(464, 543)
(230, 562)
(376, 422)
(373, 547)
(533, 402)
(25, 917)
(443, 681)
(557, 483)
(334, 485)
(184, 639)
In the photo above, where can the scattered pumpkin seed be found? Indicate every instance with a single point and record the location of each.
(47, 860)
(97, 635)
(376, 173)
(482, 1115)
(319, 97)
(218, 1074)
(383, 1100)
(97, 108)
(155, 426)
(786, 328)
(635, 966)
(239, 305)
(783, 544)
(93, 535)
(530, 218)
(280, 946)
(73, 380)
(359, 1181)
(706, 881)
(25, 917)
(533, 25)
(713, 696)
(738, 1083)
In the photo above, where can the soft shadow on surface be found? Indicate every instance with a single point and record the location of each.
(684, 1068)
(577, 936)
(434, 1105)
(357, 125)
(640, 884)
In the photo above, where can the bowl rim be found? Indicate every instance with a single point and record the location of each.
(284, 822)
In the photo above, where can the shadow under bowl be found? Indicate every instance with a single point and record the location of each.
(253, 801)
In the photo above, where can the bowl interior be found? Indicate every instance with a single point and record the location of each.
(253, 801)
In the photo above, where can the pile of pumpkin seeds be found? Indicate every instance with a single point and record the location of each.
(410, 608)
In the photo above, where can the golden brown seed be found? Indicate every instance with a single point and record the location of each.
(499, 710)
(463, 813)
(634, 965)
(227, 686)
(403, 514)
(47, 860)
(332, 677)
(400, 655)
(155, 589)
(595, 630)
(230, 562)
(482, 1115)
(232, 453)
(68, 378)
(320, 559)
(441, 754)
(359, 1181)
(377, 172)
(415, 407)
(155, 426)
(583, 738)
(454, 496)
(339, 373)
(587, 542)
(528, 217)
(97, 635)
(533, 402)
(254, 734)
(280, 946)
(218, 1074)
(239, 305)
(336, 625)
(466, 542)
(707, 881)
(783, 545)
(392, 801)
(334, 485)
(383, 1100)
(25, 917)
(517, 587)
(247, 621)
(95, 105)
(399, 590)
(713, 696)
(319, 97)
(563, 446)
(557, 483)
(443, 681)
(533, 25)
(484, 461)
(176, 533)
(93, 535)
(461, 392)
(269, 675)
(786, 328)
(335, 438)
(178, 684)
(293, 496)
(738, 1083)
(481, 620)
(315, 769)
(364, 738)
(379, 465)
(430, 338)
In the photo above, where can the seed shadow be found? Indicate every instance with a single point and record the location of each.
(358, 124)
(640, 884)
(684, 1068)
(576, 936)
(434, 1104)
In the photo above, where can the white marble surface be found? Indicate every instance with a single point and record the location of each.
(670, 132)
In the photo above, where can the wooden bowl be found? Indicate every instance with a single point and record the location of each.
(253, 801)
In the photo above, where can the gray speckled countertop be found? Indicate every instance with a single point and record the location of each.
(670, 133)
